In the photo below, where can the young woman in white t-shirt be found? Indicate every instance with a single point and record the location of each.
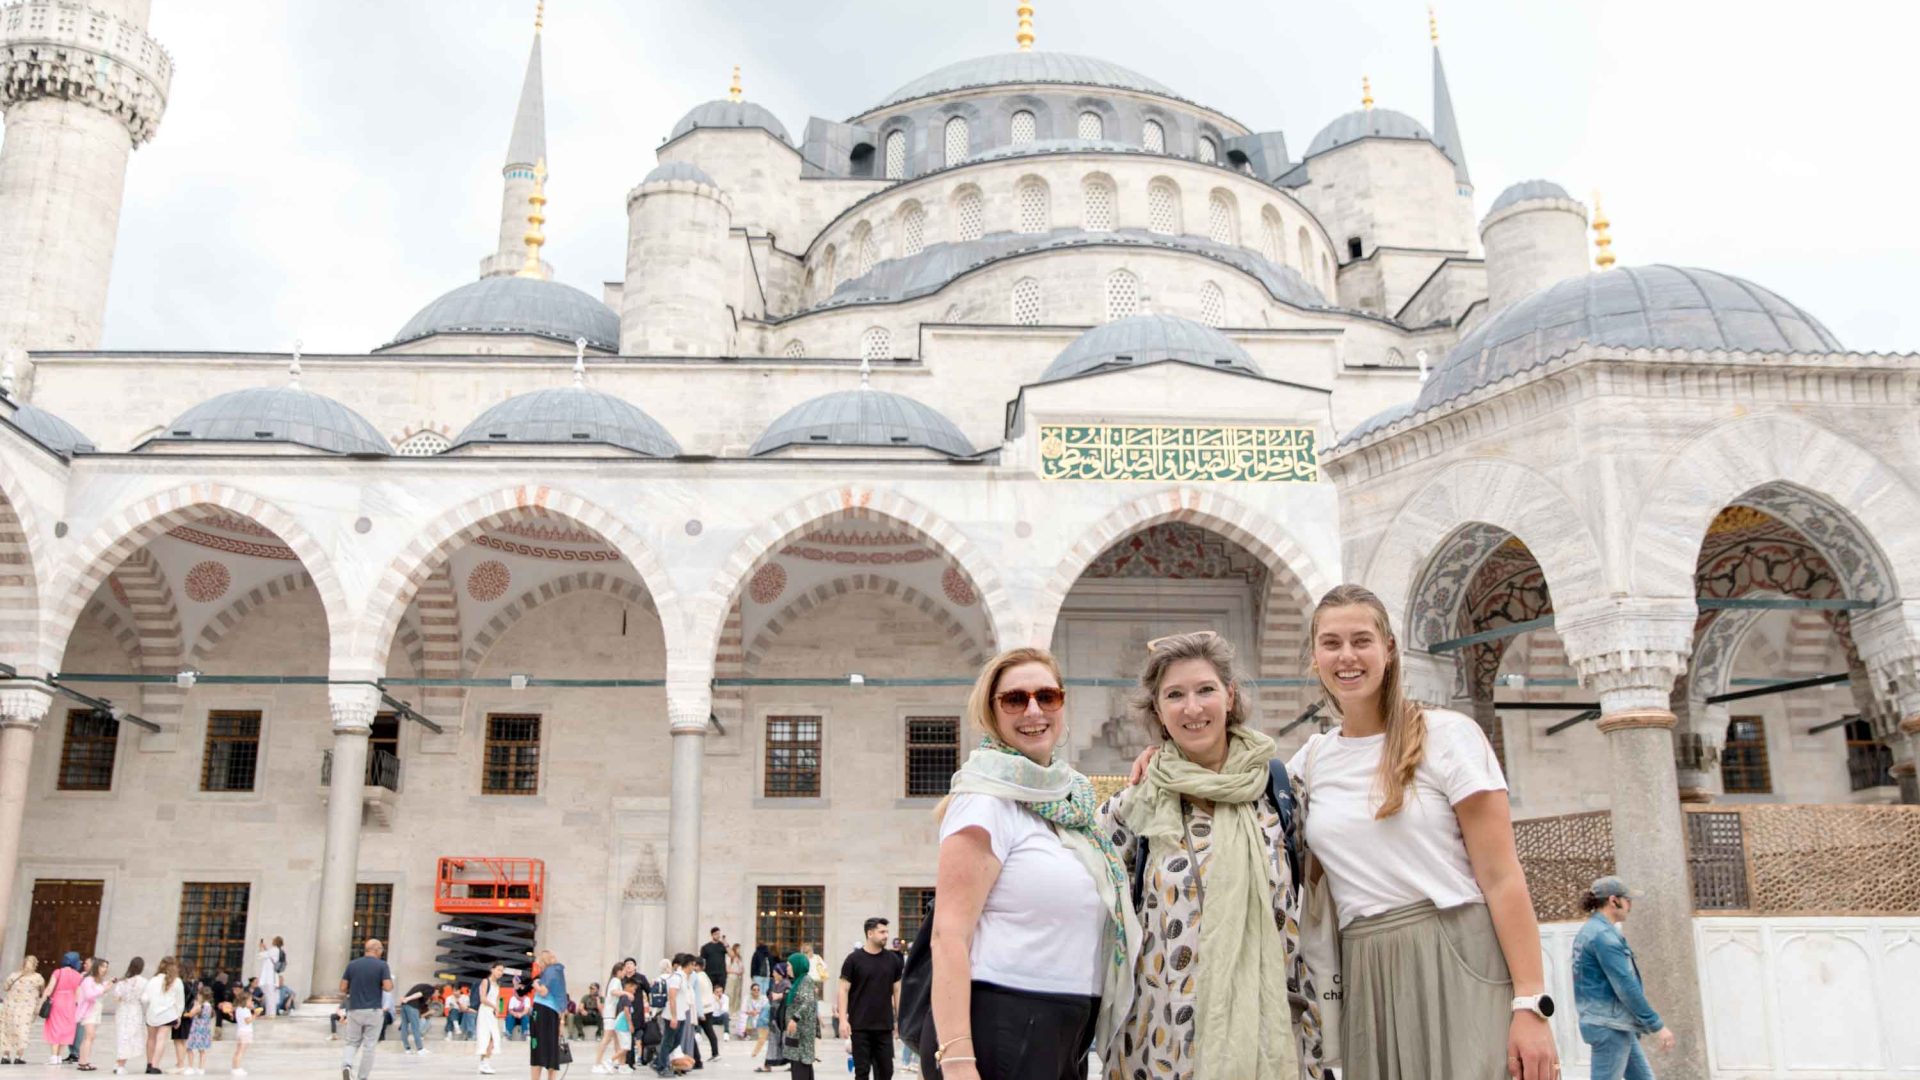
(1407, 813)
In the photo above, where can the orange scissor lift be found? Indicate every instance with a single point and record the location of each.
(490, 908)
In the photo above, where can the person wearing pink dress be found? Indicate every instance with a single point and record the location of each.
(65, 1015)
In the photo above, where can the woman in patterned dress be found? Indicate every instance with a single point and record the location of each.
(129, 1015)
(1219, 981)
(23, 997)
(803, 1019)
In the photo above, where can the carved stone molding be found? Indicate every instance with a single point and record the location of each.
(647, 884)
(65, 50)
(23, 706)
(353, 708)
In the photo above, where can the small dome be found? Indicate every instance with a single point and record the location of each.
(517, 305)
(1146, 339)
(285, 414)
(1643, 307)
(50, 431)
(863, 417)
(679, 170)
(1526, 191)
(571, 415)
(1364, 123)
(1019, 68)
(731, 114)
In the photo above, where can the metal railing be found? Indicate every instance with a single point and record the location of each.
(383, 769)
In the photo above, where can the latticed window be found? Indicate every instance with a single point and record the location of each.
(1153, 137)
(1022, 128)
(790, 918)
(1209, 153)
(1123, 295)
(864, 253)
(969, 214)
(1213, 305)
(1096, 196)
(212, 935)
(1026, 302)
(1033, 207)
(1717, 861)
(422, 444)
(513, 755)
(372, 912)
(233, 750)
(793, 757)
(913, 229)
(86, 756)
(1220, 219)
(915, 902)
(1091, 126)
(1163, 208)
(1743, 758)
(794, 350)
(1273, 235)
(896, 156)
(957, 140)
(933, 753)
(876, 344)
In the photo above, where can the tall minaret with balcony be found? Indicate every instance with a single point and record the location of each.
(526, 151)
(82, 85)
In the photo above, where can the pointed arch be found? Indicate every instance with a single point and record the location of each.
(583, 581)
(223, 624)
(752, 654)
(20, 578)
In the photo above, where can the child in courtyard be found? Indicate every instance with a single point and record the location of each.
(241, 1010)
(200, 1034)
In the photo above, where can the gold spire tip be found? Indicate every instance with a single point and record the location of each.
(733, 91)
(535, 219)
(1602, 238)
(539, 16)
(1366, 92)
(1025, 36)
(1433, 26)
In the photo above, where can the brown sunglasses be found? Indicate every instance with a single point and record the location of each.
(1049, 698)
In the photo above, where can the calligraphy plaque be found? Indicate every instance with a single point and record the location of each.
(1265, 454)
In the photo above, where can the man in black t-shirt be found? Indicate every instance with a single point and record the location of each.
(869, 1002)
(713, 958)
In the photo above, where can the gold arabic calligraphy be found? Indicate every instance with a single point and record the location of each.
(1166, 452)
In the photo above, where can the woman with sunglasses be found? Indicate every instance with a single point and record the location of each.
(1033, 935)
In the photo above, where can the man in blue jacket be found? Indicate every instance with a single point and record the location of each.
(1607, 992)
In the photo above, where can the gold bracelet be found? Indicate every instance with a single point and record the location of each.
(957, 1038)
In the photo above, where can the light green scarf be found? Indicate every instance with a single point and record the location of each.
(1241, 1001)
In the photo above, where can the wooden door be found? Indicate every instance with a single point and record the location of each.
(65, 918)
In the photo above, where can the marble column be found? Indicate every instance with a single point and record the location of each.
(689, 705)
(1629, 653)
(353, 708)
(22, 707)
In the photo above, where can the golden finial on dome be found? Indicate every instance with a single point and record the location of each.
(534, 237)
(1025, 36)
(1602, 239)
(1366, 93)
(733, 92)
(1433, 26)
(539, 16)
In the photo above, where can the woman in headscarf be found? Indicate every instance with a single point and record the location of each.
(1033, 938)
(23, 996)
(803, 1018)
(62, 1018)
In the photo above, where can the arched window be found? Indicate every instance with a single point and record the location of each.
(1026, 302)
(829, 273)
(1091, 126)
(897, 156)
(957, 143)
(876, 344)
(1123, 295)
(913, 229)
(1220, 219)
(1096, 199)
(1035, 216)
(1163, 207)
(1273, 236)
(1022, 128)
(1305, 246)
(1209, 153)
(969, 214)
(794, 350)
(864, 252)
(1153, 137)
(422, 444)
(1213, 305)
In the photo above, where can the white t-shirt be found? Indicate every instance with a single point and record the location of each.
(682, 994)
(1417, 854)
(1043, 926)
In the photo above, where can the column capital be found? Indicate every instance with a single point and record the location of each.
(689, 694)
(48, 50)
(23, 705)
(353, 706)
(1429, 677)
(1629, 650)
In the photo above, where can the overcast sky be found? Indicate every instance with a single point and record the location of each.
(327, 167)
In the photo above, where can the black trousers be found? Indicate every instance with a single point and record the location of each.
(872, 1054)
(713, 1041)
(1022, 1035)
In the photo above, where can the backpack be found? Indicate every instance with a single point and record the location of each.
(280, 962)
(657, 996)
(1280, 790)
(916, 994)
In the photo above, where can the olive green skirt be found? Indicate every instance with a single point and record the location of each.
(1427, 996)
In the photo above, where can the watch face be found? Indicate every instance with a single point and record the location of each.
(1546, 1006)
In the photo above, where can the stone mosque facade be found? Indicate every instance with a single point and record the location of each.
(676, 584)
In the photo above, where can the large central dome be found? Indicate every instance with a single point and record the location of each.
(1025, 67)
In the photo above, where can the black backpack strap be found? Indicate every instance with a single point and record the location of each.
(1280, 790)
(1139, 871)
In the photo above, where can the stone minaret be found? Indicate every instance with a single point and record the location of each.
(82, 86)
(526, 151)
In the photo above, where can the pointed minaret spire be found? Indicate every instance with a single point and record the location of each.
(526, 148)
(1446, 130)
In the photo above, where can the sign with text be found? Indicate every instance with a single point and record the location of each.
(1261, 454)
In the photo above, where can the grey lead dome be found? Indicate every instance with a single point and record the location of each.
(1146, 339)
(517, 305)
(1016, 68)
(50, 431)
(1366, 123)
(863, 417)
(569, 415)
(679, 170)
(284, 414)
(1527, 190)
(731, 114)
